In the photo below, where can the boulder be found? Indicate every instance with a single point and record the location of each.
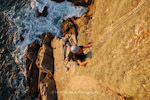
(48, 89)
(44, 12)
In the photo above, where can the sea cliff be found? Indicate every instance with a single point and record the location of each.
(120, 66)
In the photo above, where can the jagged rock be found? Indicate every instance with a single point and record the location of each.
(83, 20)
(31, 69)
(21, 38)
(47, 38)
(32, 51)
(44, 12)
(21, 35)
(69, 27)
(45, 60)
(69, 30)
(84, 3)
(48, 89)
(58, 0)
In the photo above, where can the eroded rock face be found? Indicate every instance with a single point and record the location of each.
(44, 12)
(31, 69)
(48, 89)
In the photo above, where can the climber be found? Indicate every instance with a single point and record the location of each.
(79, 56)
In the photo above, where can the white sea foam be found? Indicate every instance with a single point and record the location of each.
(24, 19)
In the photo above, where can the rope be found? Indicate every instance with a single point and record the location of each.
(103, 38)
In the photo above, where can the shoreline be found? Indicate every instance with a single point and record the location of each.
(40, 60)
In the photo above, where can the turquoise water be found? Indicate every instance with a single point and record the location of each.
(18, 18)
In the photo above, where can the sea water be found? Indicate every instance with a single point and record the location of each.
(21, 20)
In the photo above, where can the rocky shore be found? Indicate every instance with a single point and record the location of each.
(119, 69)
(40, 59)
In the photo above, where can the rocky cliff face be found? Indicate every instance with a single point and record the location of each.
(121, 52)
(120, 65)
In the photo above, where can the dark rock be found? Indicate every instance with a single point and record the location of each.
(33, 81)
(39, 97)
(21, 35)
(21, 38)
(84, 3)
(44, 12)
(38, 14)
(45, 60)
(32, 51)
(58, 0)
(31, 69)
(47, 38)
(42, 75)
(48, 89)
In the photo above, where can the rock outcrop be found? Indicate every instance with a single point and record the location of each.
(45, 60)
(39, 64)
(44, 13)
